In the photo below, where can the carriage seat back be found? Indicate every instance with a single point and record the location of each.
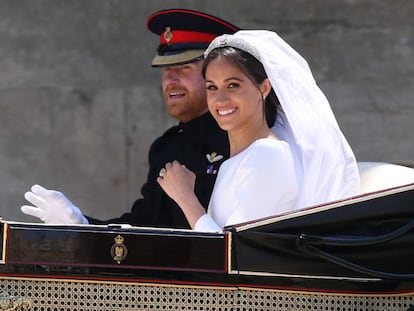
(376, 176)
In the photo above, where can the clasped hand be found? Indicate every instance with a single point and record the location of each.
(177, 181)
(52, 207)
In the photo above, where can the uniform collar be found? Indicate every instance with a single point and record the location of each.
(201, 124)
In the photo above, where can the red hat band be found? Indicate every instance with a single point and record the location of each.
(185, 36)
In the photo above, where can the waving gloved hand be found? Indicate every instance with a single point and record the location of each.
(52, 207)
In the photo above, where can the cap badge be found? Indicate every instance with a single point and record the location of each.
(168, 34)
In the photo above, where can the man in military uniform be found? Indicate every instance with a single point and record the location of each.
(197, 142)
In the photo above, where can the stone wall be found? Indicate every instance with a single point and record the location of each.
(80, 104)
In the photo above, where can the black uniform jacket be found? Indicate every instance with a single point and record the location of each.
(198, 144)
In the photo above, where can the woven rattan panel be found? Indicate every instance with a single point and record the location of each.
(77, 295)
(270, 300)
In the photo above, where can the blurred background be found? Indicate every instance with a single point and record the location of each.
(80, 103)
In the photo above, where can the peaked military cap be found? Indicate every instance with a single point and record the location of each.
(184, 35)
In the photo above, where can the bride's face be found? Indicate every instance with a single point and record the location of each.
(233, 99)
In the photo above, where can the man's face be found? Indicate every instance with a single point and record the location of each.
(184, 91)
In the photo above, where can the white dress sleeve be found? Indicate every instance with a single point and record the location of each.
(206, 223)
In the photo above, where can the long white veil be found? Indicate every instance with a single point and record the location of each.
(326, 162)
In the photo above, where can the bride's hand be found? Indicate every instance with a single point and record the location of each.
(177, 181)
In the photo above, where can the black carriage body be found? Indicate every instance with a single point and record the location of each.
(360, 246)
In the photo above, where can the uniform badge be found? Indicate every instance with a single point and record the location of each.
(212, 157)
(168, 34)
(119, 251)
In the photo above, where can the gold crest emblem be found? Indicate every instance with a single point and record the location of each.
(168, 34)
(119, 251)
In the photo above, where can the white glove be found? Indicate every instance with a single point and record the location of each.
(52, 207)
